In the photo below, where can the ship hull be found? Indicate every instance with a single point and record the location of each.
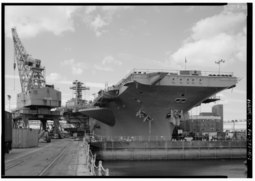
(157, 102)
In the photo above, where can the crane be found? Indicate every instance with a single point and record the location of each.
(36, 100)
(31, 72)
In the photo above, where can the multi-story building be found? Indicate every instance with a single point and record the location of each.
(205, 122)
(217, 110)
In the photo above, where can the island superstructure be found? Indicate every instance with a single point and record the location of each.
(152, 102)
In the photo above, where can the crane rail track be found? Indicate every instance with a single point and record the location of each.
(44, 171)
(13, 165)
(26, 154)
(9, 164)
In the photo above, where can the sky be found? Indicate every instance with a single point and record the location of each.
(99, 45)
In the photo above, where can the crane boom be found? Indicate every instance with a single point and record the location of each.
(31, 72)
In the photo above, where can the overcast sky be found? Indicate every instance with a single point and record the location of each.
(101, 44)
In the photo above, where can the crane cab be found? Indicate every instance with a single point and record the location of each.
(45, 97)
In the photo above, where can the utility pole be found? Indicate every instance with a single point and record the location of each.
(218, 62)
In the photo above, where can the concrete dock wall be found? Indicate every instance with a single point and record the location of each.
(167, 150)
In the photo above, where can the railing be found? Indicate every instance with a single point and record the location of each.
(98, 138)
(101, 170)
(203, 73)
(125, 77)
(91, 162)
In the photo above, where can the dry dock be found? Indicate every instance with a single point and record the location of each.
(73, 157)
(169, 150)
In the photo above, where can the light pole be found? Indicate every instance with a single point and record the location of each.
(9, 99)
(149, 129)
(149, 119)
(234, 134)
(218, 62)
(234, 122)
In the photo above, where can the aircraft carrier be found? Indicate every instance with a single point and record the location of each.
(145, 103)
(152, 102)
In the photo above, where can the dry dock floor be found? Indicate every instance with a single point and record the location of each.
(61, 157)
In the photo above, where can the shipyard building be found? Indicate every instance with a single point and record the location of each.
(209, 123)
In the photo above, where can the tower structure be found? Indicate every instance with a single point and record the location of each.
(78, 88)
(37, 98)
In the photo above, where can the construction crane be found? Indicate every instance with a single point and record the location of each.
(37, 98)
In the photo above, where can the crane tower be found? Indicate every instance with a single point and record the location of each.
(37, 98)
